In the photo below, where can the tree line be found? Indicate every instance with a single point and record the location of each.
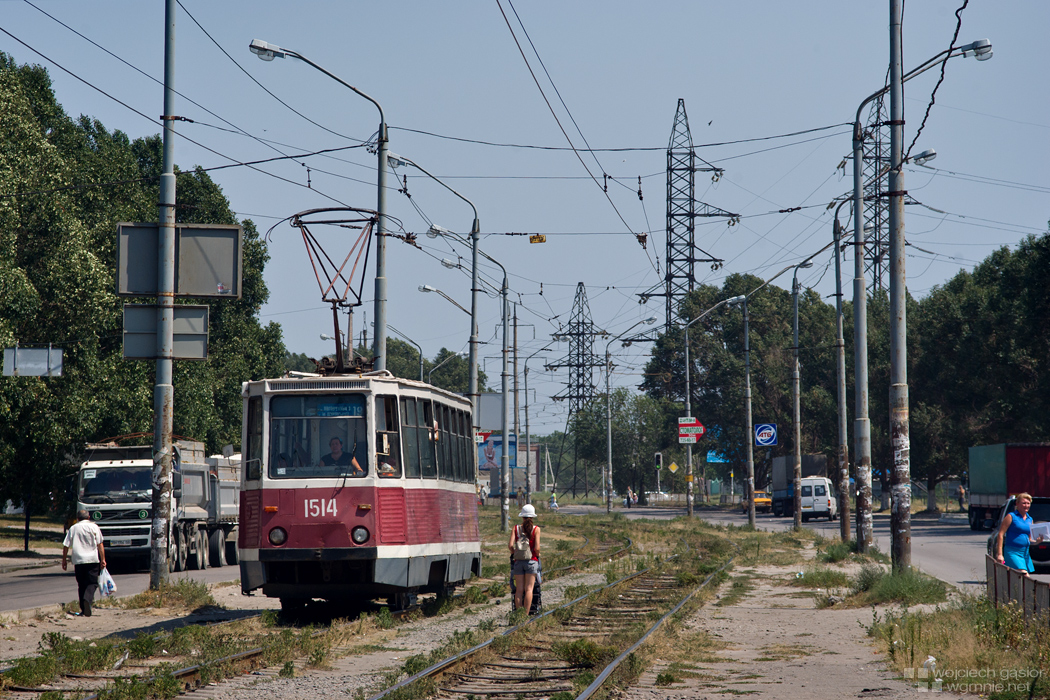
(978, 372)
(64, 184)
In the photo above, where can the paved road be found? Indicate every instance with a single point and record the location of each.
(948, 549)
(33, 588)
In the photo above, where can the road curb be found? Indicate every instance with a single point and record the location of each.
(20, 567)
(9, 616)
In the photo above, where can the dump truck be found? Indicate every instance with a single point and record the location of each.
(997, 472)
(784, 480)
(114, 484)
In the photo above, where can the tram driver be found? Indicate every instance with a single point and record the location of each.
(338, 458)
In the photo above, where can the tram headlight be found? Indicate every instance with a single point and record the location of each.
(278, 536)
(359, 535)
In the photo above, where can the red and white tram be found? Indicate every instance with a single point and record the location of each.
(356, 486)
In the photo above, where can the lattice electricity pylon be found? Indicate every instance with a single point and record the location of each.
(682, 211)
(581, 389)
(876, 206)
(581, 359)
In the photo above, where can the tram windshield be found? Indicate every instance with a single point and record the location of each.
(318, 436)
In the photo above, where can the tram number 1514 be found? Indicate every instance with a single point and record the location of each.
(319, 507)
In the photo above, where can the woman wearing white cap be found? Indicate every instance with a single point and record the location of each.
(525, 553)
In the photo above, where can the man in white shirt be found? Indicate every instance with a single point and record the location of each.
(89, 558)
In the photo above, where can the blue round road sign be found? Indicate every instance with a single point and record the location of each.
(765, 434)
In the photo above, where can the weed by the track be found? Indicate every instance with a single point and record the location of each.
(184, 594)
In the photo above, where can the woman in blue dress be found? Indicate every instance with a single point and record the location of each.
(1015, 534)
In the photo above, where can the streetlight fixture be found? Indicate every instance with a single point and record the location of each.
(528, 435)
(607, 485)
(795, 391)
(268, 52)
(428, 288)
(982, 50)
(475, 234)
(430, 374)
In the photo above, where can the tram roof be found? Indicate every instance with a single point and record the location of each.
(304, 382)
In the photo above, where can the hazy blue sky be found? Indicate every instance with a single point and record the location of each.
(746, 70)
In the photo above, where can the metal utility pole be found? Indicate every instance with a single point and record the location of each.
(900, 442)
(163, 392)
(840, 356)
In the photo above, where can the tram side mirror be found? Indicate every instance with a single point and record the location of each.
(176, 484)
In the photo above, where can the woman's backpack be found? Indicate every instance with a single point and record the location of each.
(522, 545)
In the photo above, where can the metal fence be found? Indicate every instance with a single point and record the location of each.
(1010, 585)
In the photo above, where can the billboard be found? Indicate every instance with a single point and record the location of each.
(490, 456)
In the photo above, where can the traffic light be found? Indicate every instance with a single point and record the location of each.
(659, 460)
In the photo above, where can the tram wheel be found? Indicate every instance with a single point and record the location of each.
(401, 601)
(293, 605)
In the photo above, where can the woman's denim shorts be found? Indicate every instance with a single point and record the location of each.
(527, 566)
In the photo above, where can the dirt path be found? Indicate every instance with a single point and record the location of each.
(772, 643)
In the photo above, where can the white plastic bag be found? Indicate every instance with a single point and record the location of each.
(106, 584)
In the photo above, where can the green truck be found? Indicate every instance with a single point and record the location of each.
(997, 472)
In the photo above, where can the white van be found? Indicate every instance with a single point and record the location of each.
(818, 498)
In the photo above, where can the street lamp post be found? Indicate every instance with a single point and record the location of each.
(475, 233)
(982, 51)
(750, 437)
(268, 52)
(689, 407)
(528, 435)
(795, 391)
(607, 485)
(418, 346)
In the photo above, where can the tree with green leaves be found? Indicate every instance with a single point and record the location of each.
(64, 185)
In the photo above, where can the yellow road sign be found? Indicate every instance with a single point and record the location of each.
(672, 467)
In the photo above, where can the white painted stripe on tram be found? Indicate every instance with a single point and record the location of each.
(403, 551)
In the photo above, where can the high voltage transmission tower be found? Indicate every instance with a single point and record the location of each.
(682, 211)
(581, 361)
(876, 183)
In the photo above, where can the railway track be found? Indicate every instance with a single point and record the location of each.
(186, 677)
(572, 649)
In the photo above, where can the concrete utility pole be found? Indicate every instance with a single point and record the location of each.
(796, 400)
(163, 392)
(517, 420)
(840, 357)
(900, 441)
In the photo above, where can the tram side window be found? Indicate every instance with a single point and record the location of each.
(253, 463)
(466, 451)
(408, 415)
(455, 447)
(426, 432)
(445, 442)
(388, 440)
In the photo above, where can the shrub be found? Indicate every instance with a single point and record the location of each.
(584, 653)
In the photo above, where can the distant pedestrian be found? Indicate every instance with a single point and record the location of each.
(89, 558)
(524, 548)
(521, 496)
(962, 496)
